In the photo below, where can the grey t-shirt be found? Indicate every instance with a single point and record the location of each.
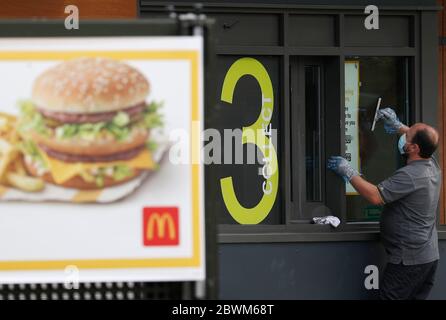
(408, 221)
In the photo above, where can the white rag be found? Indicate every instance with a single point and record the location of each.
(334, 221)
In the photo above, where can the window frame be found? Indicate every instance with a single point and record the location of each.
(334, 137)
(302, 208)
(409, 117)
(422, 21)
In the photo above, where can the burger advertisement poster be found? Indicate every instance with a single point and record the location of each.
(89, 190)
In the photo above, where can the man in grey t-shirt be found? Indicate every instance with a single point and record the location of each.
(408, 221)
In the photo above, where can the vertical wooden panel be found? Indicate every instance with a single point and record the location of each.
(88, 9)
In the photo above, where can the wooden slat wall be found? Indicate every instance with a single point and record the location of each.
(442, 106)
(89, 9)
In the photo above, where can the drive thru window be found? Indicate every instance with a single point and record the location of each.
(326, 88)
(375, 153)
(327, 72)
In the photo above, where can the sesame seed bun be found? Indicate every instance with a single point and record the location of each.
(89, 85)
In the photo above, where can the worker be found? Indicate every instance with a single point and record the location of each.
(408, 220)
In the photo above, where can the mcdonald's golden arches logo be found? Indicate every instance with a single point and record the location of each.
(160, 226)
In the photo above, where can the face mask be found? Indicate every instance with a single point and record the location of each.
(401, 144)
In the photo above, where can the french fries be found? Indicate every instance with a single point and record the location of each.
(12, 168)
(25, 183)
(7, 154)
(8, 116)
(8, 127)
(19, 166)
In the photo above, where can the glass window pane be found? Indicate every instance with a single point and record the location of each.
(374, 153)
(312, 133)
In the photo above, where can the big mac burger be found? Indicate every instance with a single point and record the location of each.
(88, 124)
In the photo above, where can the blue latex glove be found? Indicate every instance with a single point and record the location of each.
(342, 167)
(391, 122)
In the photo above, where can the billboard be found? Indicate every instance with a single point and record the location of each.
(90, 185)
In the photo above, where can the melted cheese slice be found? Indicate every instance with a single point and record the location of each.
(63, 171)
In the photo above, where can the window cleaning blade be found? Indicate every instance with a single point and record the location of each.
(376, 112)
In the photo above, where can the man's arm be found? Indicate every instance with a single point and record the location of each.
(393, 187)
(399, 185)
(343, 168)
(366, 189)
(403, 129)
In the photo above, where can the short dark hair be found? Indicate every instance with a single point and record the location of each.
(425, 142)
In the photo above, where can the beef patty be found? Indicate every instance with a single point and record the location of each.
(126, 155)
(134, 113)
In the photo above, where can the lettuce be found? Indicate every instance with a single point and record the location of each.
(151, 116)
(152, 120)
(154, 106)
(119, 128)
(100, 180)
(120, 133)
(66, 131)
(30, 149)
(32, 120)
(121, 119)
(121, 172)
(26, 108)
(151, 145)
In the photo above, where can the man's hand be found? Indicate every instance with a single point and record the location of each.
(341, 166)
(391, 122)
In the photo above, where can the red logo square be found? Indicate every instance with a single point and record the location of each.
(160, 226)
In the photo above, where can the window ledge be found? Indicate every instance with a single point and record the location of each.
(301, 233)
(296, 233)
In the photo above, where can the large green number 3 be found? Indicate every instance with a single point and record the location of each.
(255, 215)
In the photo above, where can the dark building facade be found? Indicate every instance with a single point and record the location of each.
(313, 71)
